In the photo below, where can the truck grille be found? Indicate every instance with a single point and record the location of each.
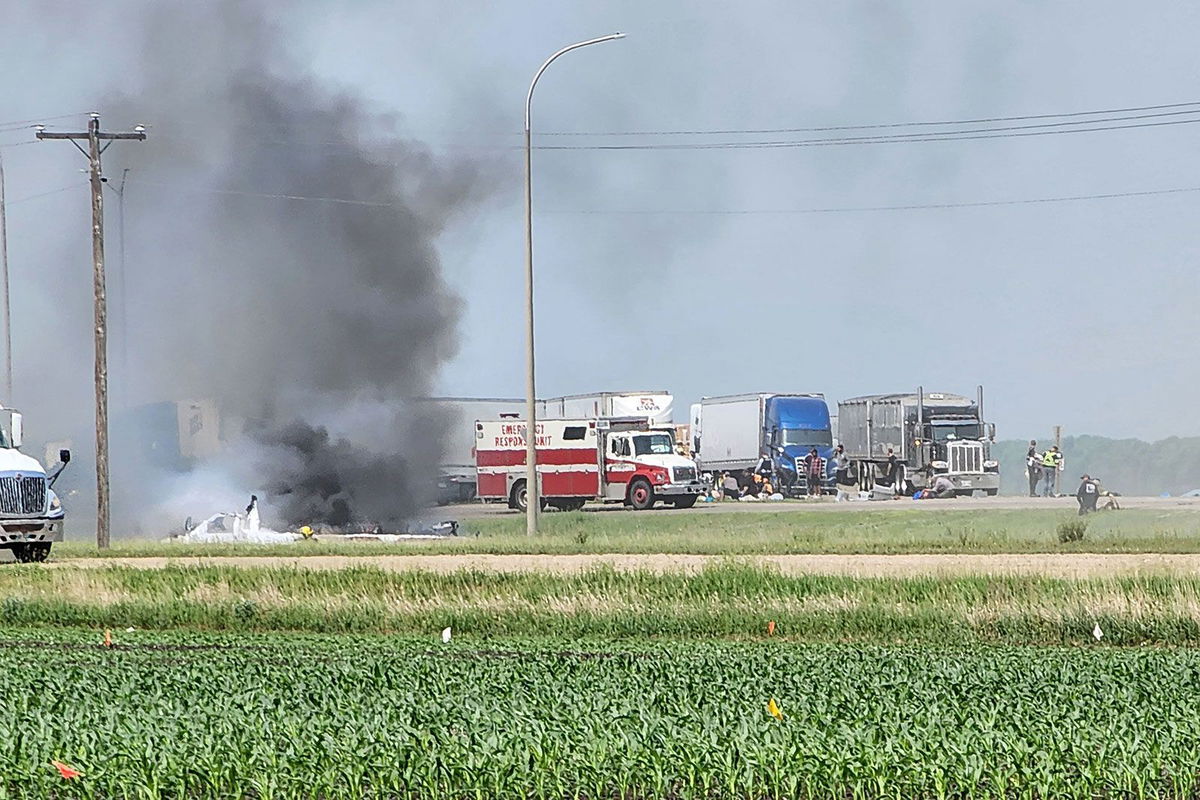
(22, 494)
(683, 474)
(965, 457)
(802, 470)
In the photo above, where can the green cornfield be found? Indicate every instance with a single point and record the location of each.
(195, 715)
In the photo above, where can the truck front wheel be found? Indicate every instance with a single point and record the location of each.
(641, 494)
(685, 502)
(30, 553)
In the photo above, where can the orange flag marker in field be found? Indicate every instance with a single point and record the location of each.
(68, 773)
(771, 628)
(773, 709)
(107, 637)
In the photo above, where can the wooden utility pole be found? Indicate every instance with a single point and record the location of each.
(94, 137)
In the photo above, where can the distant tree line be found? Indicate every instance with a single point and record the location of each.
(1127, 466)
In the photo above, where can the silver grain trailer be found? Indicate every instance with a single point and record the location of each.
(930, 433)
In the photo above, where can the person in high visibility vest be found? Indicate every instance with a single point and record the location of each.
(1051, 463)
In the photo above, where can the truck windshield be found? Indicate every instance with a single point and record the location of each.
(805, 438)
(653, 444)
(963, 430)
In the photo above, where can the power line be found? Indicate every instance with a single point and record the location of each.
(752, 131)
(46, 194)
(944, 136)
(29, 123)
(269, 195)
(1007, 132)
(666, 212)
(875, 126)
(912, 207)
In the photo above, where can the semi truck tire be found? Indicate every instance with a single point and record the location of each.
(685, 502)
(31, 553)
(641, 494)
(991, 492)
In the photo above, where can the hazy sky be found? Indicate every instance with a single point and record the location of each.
(1079, 313)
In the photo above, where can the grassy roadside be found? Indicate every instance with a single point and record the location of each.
(715, 532)
(729, 601)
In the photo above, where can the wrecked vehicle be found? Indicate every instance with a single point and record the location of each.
(229, 527)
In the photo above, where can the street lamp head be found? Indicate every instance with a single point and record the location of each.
(139, 128)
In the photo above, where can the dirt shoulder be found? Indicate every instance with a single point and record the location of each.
(1047, 564)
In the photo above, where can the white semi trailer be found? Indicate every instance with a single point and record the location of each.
(653, 406)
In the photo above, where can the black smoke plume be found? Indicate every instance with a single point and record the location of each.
(285, 239)
(322, 480)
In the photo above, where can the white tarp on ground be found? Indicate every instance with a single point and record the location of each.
(231, 528)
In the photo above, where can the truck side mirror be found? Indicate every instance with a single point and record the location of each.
(64, 456)
(18, 435)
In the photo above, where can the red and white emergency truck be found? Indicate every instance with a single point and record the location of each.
(612, 460)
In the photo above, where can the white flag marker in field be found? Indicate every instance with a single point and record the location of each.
(1097, 634)
(445, 636)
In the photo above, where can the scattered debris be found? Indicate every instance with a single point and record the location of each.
(229, 527)
(437, 530)
(445, 636)
(68, 773)
(1097, 634)
(774, 710)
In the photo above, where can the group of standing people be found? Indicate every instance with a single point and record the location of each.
(1043, 468)
(813, 467)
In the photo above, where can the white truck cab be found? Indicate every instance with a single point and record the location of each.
(31, 515)
(643, 466)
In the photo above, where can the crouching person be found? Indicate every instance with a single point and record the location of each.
(1087, 494)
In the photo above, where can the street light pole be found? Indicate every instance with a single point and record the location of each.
(8, 370)
(123, 292)
(532, 490)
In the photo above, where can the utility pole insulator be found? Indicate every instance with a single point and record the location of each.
(94, 136)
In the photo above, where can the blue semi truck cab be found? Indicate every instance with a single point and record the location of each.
(730, 434)
(793, 426)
